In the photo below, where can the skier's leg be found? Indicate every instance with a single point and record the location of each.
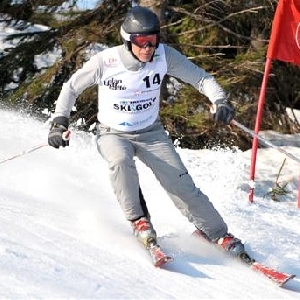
(118, 152)
(124, 180)
(156, 150)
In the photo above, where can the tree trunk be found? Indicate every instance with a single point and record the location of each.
(159, 7)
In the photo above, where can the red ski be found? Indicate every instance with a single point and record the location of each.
(159, 258)
(279, 278)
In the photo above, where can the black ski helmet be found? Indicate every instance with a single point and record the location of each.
(139, 20)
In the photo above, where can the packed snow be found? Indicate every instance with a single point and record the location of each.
(63, 234)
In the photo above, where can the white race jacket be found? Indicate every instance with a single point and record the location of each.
(129, 90)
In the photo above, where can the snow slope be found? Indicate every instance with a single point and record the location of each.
(63, 234)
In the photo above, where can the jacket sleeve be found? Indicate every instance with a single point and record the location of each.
(87, 76)
(181, 67)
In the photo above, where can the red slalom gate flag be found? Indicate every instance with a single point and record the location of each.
(284, 42)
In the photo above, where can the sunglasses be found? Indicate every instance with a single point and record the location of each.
(143, 41)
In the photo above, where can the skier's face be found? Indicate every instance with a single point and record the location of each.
(143, 54)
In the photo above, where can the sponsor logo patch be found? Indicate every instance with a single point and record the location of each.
(134, 106)
(114, 84)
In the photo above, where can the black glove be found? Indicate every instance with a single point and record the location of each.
(58, 127)
(225, 112)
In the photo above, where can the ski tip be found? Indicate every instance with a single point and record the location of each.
(283, 282)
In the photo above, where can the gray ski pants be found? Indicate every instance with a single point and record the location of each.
(155, 149)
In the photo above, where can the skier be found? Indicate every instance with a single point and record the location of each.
(129, 78)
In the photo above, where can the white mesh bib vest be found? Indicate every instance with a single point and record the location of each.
(129, 100)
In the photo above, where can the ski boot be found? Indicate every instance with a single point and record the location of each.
(143, 230)
(228, 242)
(231, 244)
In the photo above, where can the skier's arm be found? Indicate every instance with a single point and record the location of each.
(83, 78)
(180, 67)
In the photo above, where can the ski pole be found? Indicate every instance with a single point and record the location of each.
(264, 141)
(65, 137)
(261, 139)
(23, 153)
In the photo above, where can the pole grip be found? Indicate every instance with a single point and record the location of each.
(66, 135)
